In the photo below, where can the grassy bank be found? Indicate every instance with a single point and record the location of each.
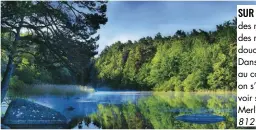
(53, 89)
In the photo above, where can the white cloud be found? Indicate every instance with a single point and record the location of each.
(132, 21)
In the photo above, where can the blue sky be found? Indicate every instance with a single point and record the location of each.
(134, 20)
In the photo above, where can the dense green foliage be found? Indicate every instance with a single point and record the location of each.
(52, 53)
(159, 112)
(49, 41)
(183, 62)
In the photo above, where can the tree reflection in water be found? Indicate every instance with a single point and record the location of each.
(160, 110)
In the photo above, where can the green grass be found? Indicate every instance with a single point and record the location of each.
(49, 89)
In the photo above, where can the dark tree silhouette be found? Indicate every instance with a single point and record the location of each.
(55, 31)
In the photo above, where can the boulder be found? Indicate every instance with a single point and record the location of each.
(22, 114)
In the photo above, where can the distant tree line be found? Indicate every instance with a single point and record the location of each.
(192, 61)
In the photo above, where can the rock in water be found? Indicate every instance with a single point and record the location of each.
(201, 118)
(23, 114)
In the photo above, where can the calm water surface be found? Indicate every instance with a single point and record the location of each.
(132, 109)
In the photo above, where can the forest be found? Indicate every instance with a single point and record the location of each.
(186, 61)
(48, 42)
(49, 57)
(55, 49)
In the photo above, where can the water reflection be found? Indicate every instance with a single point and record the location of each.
(142, 109)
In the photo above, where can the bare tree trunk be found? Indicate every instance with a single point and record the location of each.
(6, 78)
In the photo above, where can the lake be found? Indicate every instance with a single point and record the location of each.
(141, 109)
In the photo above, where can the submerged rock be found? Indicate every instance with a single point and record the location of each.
(201, 118)
(23, 114)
